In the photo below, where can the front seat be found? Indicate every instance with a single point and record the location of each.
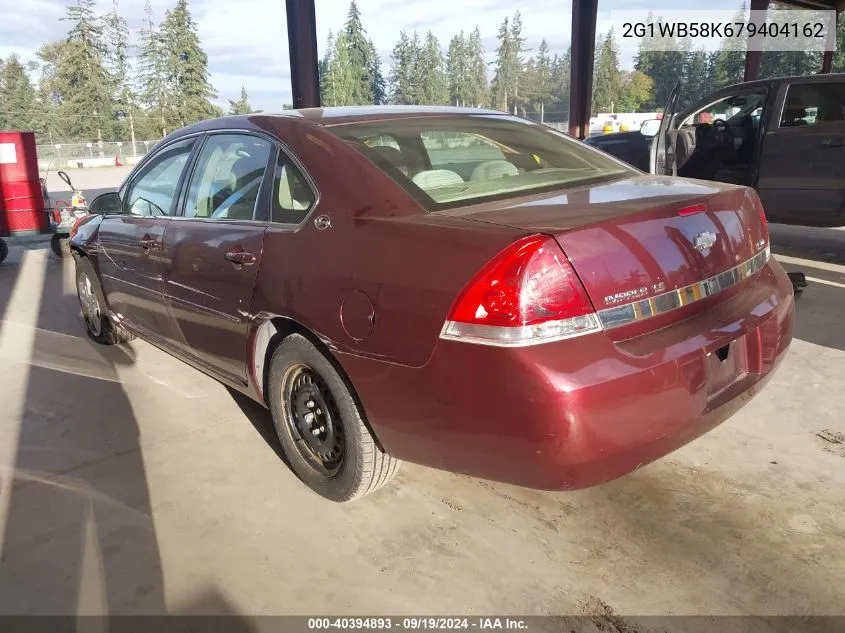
(793, 113)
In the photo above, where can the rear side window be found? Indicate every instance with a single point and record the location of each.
(292, 196)
(814, 104)
(227, 179)
(448, 161)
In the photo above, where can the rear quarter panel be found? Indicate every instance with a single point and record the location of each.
(409, 265)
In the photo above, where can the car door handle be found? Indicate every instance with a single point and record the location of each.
(148, 243)
(836, 141)
(241, 258)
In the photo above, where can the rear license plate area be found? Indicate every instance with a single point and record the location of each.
(726, 366)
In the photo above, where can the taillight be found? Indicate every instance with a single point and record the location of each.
(527, 294)
(764, 222)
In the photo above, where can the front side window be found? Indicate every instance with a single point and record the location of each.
(814, 104)
(154, 191)
(227, 178)
(451, 161)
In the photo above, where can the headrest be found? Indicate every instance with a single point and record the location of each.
(434, 178)
(494, 169)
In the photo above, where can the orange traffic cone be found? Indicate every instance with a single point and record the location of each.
(117, 161)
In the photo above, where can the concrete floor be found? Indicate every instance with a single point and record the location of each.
(130, 483)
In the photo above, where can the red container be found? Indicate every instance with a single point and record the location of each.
(21, 198)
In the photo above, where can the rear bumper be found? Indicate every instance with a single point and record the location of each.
(583, 411)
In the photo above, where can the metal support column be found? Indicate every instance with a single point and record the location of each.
(302, 45)
(753, 58)
(581, 69)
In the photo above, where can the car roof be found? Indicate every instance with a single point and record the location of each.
(334, 116)
(820, 78)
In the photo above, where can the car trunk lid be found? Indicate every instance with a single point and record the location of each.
(633, 241)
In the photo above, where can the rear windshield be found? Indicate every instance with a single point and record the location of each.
(453, 161)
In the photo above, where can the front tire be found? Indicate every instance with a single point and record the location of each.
(321, 427)
(4, 250)
(99, 326)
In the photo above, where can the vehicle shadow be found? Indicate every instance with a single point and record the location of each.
(261, 420)
(78, 532)
(820, 306)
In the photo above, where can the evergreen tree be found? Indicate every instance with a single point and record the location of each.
(342, 81)
(509, 64)
(186, 65)
(323, 68)
(432, 74)
(517, 42)
(78, 76)
(559, 108)
(478, 92)
(503, 78)
(402, 71)
(662, 59)
(606, 76)
(153, 85)
(697, 78)
(379, 85)
(459, 71)
(543, 85)
(729, 64)
(17, 97)
(241, 106)
(360, 52)
(117, 63)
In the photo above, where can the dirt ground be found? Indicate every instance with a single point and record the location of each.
(130, 483)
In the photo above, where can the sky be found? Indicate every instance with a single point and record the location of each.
(246, 40)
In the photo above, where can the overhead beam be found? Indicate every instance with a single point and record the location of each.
(582, 56)
(753, 58)
(302, 46)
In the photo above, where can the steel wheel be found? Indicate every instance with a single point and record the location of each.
(314, 419)
(321, 427)
(90, 305)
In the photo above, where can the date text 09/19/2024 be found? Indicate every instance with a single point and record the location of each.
(417, 623)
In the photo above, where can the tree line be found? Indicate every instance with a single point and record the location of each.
(535, 83)
(420, 73)
(94, 86)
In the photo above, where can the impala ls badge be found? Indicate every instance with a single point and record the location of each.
(704, 241)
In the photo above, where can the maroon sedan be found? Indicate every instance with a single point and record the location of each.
(458, 288)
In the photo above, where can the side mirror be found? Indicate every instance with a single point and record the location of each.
(106, 204)
(650, 128)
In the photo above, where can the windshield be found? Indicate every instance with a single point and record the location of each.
(457, 160)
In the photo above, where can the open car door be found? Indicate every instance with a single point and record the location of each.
(663, 147)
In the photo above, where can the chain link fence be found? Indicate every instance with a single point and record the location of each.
(76, 155)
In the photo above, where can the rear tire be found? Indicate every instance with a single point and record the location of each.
(332, 451)
(99, 326)
(60, 246)
(4, 250)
